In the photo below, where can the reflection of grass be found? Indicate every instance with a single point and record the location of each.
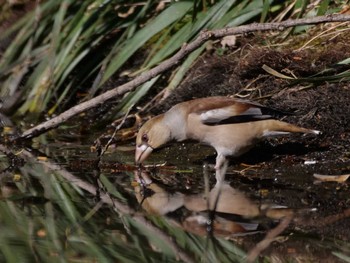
(52, 215)
(70, 226)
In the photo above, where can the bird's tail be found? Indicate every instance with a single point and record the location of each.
(275, 127)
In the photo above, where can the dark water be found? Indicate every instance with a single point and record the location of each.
(60, 203)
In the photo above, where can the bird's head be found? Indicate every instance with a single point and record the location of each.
(153, 134)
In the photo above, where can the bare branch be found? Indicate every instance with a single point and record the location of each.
(174, 60)
(270, 237)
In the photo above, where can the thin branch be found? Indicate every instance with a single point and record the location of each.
(270, 237)
(169, 63)
(115, 132)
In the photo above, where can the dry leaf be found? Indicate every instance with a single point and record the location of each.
(332, 178)
(229, 41)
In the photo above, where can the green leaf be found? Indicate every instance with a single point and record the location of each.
(184, 67)
(133, 97)
(324, 6)
(212, 19)
(344, 62)
(174, 12)
(342, 256)
(265, 11)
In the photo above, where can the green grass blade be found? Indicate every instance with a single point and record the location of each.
(174, 12)
(185, 66)
(342, 256)
(344, 62)
(324, 6)
(265, 11)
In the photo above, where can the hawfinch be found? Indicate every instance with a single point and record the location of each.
(231, 126)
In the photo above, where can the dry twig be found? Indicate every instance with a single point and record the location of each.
(270, 237)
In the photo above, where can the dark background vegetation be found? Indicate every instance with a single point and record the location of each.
(56, 54)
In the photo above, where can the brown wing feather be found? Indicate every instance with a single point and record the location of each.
(223, 110)
(205, 104)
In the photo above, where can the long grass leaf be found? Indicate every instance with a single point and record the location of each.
(132, 98)
(249, 11)
(344, 62)
(342, 256)
(209, 20)
(265, 11)
(322, 9)
(184, 68)
(174, 12)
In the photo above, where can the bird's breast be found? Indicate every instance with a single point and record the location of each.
(176, 121)
(227, 139)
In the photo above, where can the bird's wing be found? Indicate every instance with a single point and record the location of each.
(223, 110)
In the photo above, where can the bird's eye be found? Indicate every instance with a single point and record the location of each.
(144, 137)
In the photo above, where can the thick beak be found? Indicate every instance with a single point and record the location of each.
(142, 152)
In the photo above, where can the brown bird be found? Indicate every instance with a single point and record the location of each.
(231, 126)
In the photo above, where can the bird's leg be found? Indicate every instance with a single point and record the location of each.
(220, 171)
(220, 168)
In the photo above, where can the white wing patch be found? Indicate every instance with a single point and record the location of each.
(268, 133)
(216, 115)
(252, 111)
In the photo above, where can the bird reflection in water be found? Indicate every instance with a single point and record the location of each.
(224, 211)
